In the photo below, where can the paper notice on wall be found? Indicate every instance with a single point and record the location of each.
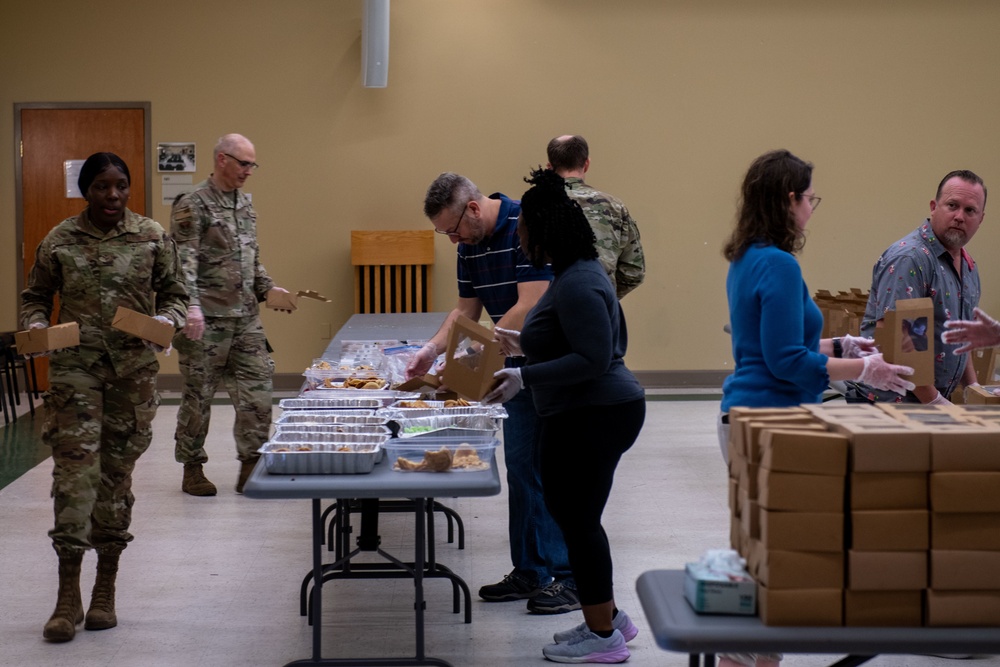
(174, 186)
(71, 170)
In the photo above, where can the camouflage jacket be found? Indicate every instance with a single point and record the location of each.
(216, 234)
(618, 246)
(133, 265)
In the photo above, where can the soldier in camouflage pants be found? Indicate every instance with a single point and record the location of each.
(102, 395)
(616, 235)
(216, 231)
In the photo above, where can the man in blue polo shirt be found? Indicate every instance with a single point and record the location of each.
(494, 274)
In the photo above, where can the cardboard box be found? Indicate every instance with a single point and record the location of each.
(143, 326)
(965, 570)
(471, 376)
(754, 429)
(798, 492)
(778, 569)
(965, 491)
(282, 300)
(984, 362)
(890, 530)
(801, 607)
(418, 383)
(897, 447)
(748, 480)
(804, 451)
(835, 412)
(966, 449)
(740, 415)
(966, 531)
(962, 608)
(888, 490)
(982, 395)
(708, 595)
(750, 520)
(802, 531)
(738, 469)
(907, 338)
(51, 338)
(894, 609)
(886, 570)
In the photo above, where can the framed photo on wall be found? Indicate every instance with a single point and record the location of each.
(175, 156)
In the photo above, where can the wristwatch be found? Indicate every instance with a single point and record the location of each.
(838, 349)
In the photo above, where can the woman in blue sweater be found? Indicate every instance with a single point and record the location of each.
(780, 359)
(590, 406)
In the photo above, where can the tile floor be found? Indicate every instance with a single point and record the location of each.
(214, 581)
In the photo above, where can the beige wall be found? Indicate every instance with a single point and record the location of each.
(675, 97)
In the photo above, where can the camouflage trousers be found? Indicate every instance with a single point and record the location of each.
(232, 351)
(97, 424)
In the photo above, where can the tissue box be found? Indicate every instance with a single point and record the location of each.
(710, 594)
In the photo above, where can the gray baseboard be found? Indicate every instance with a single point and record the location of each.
(285, 382)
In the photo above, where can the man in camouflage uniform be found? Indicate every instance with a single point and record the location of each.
(215, 227)
(102, 396)
(618, 247)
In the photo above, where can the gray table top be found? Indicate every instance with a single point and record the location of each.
(385, 326)
(677, 627)
(382, 482)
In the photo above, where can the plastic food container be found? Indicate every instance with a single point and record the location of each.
(425, 455)
(338, 379)
(309, 453)
(461, 426)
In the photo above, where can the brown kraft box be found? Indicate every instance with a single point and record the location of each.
(883, 608)
(965, 449)
(965, 491)
(891, 448)
(981, 396)
(972, 531)
(888, 491)
(754, 429)
(797, 492)
(143, 326)
(801, 606)
(778, 569)
(886, 570)
(907, 338)
(802, 531)
(818, 453)
(475, 380)
(965, 570)
(960, 608)
(890, 530)
(48, 339)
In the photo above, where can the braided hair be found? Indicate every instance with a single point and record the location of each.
(554, 226)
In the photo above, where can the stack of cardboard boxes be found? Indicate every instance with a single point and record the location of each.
(842, 312)
(869, 516)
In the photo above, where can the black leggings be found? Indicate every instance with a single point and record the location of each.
(580, 450)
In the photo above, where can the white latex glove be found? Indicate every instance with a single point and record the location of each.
(939, 400)
(984, 331)
(153, 346)
(885, 376)
(195, 327)
(510, 341)
(421, 361)
(37, 355)
(856, 347)
(510, 384)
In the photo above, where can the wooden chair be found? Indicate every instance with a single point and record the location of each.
(392, 271)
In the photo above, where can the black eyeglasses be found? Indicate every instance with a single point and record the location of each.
(813, 200)
(244, 164)
(454, 230)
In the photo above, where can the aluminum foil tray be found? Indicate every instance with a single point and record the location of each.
(436, 408)
(307, 427)
(376, 397)
(462, 426)
(330, 417)
(332, 458)
(316, 404)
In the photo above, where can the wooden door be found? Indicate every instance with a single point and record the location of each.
(50, 134)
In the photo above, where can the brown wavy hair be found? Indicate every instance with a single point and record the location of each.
(764, 214)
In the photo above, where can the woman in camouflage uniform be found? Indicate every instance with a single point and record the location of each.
(102, 395)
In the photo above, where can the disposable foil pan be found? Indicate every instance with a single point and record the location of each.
(330, 417)
(321, 458)
(436, 408)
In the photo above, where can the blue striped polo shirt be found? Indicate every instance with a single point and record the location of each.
(491, 269)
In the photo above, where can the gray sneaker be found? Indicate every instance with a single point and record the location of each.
(589, 647)
(556, 598)
(621, 623)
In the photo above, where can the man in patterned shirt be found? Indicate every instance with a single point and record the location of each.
(932, 262)
(617, 237)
